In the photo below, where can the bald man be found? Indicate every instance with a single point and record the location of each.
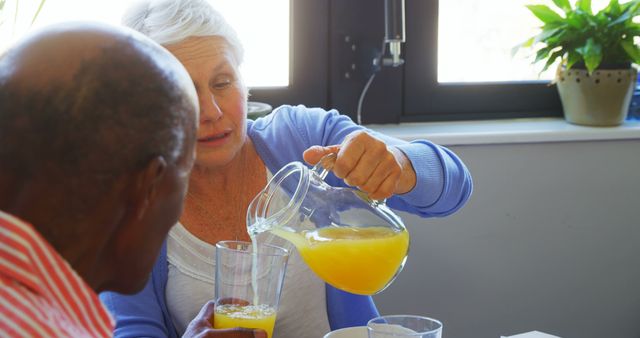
(97, 139)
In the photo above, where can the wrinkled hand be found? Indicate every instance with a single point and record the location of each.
(200, 327)
(366, 162)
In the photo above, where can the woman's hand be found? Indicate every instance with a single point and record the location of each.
(201, 327)
(366, 162)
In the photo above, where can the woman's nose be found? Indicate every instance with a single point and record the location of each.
(209, 108)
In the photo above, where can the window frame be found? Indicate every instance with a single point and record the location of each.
(308, 65)
(320, 57)
(427, 100)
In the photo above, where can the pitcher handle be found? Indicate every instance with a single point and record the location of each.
(365, 197)
(325, 165)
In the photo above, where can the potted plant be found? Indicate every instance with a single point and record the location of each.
(595, 77)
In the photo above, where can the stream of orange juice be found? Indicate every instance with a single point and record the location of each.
(248, 316)
(360, 260)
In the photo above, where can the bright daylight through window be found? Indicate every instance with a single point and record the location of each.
(476, 38)
(263, 27)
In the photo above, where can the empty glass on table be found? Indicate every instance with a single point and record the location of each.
(404, 326)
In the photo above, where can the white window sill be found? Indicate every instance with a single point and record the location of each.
(530, 130)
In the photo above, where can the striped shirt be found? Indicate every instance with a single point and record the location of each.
(40, 294)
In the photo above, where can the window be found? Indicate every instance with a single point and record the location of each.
(263, 28)
(510, 97)
(476, 37)
(475, 41)
(458, 62)
(266, 61)
(412, 92)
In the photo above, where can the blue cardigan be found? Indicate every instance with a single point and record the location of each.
(443, 186)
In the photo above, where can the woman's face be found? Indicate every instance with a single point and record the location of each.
(222, 97)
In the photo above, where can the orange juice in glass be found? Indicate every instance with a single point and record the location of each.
(248, 285)
(249, 316)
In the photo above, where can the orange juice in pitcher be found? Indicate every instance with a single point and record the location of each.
(350, 241)
(358, 260)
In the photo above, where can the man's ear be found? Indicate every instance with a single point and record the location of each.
(141, 191)
(147, 185)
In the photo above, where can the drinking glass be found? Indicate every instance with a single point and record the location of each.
(349, 332)
(404, 326)
(247, 292)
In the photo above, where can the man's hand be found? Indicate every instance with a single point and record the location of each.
(201, 327)
(366, 162)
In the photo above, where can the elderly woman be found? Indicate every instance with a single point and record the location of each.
(235, 159)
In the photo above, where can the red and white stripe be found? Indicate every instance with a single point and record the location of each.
(40, 294)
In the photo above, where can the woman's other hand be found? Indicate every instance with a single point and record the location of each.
(366, 162)
(201, 327)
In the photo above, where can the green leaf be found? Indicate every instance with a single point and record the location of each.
(613, 8)
(542, 54)
(15, 17)
(626, 15)
(592, 54)
(634, 8)
(578, 34)
(632, 50)
(577, 19)
(632, 30)
(527, 44)
(623, 7)
(544, 13)
(572, 58)
(563, 4)
(552, 59)
(546, 34)
(35, 16)
(584, 5)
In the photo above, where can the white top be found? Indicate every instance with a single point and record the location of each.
(191, 284)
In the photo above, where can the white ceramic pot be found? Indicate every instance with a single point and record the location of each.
(599, 99)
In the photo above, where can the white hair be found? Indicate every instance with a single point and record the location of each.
(172, 21)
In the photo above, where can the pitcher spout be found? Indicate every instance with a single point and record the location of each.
(256, 222)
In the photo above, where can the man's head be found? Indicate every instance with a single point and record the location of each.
(97, 135)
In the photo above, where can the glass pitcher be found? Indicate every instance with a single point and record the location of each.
(350, 241)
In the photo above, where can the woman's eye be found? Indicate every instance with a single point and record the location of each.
(222, 83)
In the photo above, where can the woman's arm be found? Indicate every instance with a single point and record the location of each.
(136, 315)
(442, 182)
(141, 314)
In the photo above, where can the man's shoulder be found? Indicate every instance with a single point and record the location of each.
(25, 313)
(16, 296)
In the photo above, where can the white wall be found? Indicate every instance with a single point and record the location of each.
(549, 241)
